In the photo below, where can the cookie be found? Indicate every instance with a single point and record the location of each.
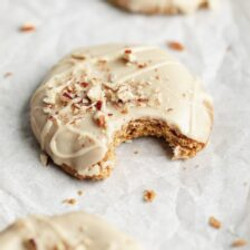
(164, 6)
(72, 231)
(98, 97)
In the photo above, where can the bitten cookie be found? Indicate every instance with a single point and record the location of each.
(73, 231)
(164, 6)
(98, 97)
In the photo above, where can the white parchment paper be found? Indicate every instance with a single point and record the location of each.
(215, 183)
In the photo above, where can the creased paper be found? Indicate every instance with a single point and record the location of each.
(215, 183)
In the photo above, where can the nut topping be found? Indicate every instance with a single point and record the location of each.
(100, 119)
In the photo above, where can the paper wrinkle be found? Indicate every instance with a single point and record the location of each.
(215, 183)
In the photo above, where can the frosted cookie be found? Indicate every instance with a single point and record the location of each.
(73, 231)
(98, 97)
(164, 6)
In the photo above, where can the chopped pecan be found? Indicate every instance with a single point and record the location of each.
(27, 27)
(176, 46)
(98, 105)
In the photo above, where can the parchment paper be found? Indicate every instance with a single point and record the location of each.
(215, 183)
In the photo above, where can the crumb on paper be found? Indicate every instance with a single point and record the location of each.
(239, 243)
(80, 192)
(149, 195)
(7, 74)
(136, 152)
(70, 201)
(27, 27)
(44, 159)
(176, 46)
(213, 222)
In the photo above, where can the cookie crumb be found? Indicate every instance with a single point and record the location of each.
(175, 46)
(44, 159)
(213, 222)
(7, 74)
(80, 192)
(70, 201)
(27, 27)
(149, 195)
(239, 243)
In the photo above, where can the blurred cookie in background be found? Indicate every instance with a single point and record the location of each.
(169, 7)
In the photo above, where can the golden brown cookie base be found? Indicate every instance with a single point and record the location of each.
(124, 4)
(182, 146)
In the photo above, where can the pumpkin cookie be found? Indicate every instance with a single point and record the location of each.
(98, 97)
(73, 231)
(164, 6)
